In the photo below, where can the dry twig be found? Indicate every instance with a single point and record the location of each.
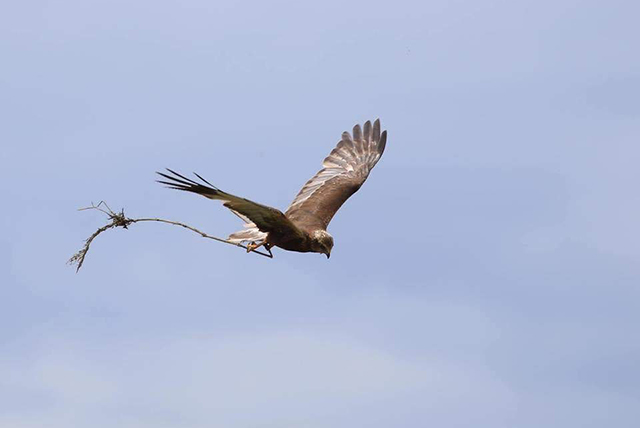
(120, 220)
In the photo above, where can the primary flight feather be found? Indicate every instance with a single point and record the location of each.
(303, 226)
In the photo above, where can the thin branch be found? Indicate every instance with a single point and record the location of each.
(120, 220)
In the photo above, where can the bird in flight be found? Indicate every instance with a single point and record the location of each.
(303, 226)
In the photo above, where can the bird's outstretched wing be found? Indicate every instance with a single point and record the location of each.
(266, 219)
(343, 172)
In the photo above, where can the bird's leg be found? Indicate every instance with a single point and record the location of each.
(268, 248)
(253, 247)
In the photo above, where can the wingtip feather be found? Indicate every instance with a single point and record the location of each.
(367, 131)
(383, 142)
(357, 133)
(376, 130)
(200, 177)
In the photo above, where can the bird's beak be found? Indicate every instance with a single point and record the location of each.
(328, 255)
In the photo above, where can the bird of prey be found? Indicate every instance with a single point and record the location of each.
(303, 226)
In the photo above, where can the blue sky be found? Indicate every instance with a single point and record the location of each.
(486, 274)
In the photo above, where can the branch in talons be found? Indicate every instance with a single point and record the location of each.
(118, 219)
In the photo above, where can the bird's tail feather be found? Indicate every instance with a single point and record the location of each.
(249, 234)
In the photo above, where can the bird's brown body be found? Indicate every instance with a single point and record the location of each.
(302, 227)
(299, 243)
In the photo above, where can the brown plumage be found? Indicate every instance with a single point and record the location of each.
(303, 227)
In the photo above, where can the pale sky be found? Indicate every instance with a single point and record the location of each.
(486, 275)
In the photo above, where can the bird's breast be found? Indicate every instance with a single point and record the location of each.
(290, 243)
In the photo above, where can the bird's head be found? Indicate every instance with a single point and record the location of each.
(323, 242)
